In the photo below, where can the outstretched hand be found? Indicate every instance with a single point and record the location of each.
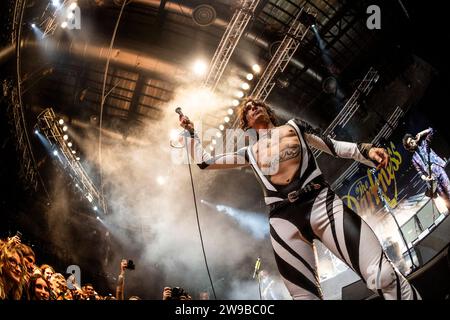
(380, 156)
(186, 123)
(429, 178)
(167, 293)
(16, 240)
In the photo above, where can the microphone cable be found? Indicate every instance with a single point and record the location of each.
(198, 220)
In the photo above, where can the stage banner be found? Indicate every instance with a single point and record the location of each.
(369, 191)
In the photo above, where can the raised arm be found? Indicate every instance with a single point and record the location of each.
(365, 153)
(121, 281)
(205, 160)
(424, 134)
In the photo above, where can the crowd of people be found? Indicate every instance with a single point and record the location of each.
(22, 279)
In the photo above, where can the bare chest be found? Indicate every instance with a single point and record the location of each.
(277, 149)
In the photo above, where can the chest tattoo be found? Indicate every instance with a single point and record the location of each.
(290, 152)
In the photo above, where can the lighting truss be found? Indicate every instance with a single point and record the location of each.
(18, 10)
(229, 41)
(49, 17)
(28, 171)
(384, 133)
(282, 56)
(47, 123)
(351, 106)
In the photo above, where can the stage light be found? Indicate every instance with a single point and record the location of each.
(245, 86)
(76, 185)
(256, 68)
(98, 218)
(55, 153)
(89, 197)
(282, 82)
(161, 180)
(330, 85)
(69, 144)
(65, 137)
(202, 201)
(65, 128)
(200, 68)
(307, 19)
(174, 134)
(222, 127)
(73, 152)
(61, 121)
(77, 158)
(214, 141)
(235, 102)
(230, 111)
(226, 119)
(72, 6)
(55, 3)
(36, 131)
(249, 76)
(33, 25)
(64, 25)
(218, 135)
(376, 78)
(95, 208)
(239, 94)
(211, 148)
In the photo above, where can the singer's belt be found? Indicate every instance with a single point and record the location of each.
(293, 196)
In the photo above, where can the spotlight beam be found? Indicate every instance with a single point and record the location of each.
(254, 223)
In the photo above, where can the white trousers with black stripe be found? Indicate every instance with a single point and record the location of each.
(322, 215)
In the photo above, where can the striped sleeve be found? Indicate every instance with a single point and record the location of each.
(339, 149)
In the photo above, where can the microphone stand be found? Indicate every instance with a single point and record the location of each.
(389, 210)
(180, 113)
(431, 182)
(258, 276)
(259, 285)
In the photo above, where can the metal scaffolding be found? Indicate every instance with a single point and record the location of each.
(50, 17)
(384, 133)
(27, 172)
(229, 41)
(18, 8)
(282, 56)
(352, 105)
(48, 125)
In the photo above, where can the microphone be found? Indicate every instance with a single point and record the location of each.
(257, 266)
(178, 110)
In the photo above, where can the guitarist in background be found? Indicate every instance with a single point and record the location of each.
(429, 164)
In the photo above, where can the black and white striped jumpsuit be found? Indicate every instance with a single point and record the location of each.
(320, 214)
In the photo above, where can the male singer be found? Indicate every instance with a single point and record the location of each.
(302, 205)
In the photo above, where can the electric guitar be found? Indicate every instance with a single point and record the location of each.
(432, 184)
(431, 191)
